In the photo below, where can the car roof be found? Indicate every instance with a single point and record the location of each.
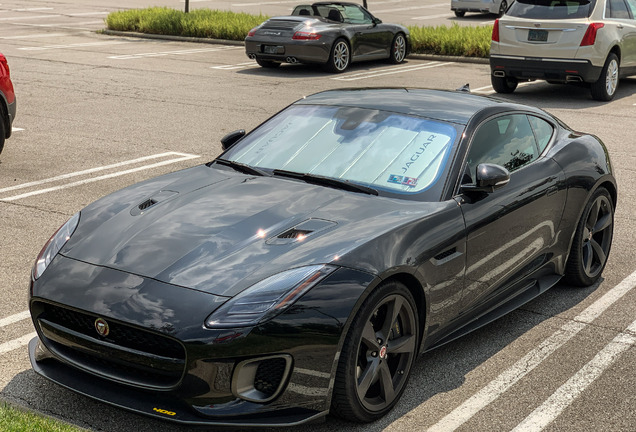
(449, 106)
(324, 3)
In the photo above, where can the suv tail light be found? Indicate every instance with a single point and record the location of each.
(495, 31)
(590, 34)
(5, 64)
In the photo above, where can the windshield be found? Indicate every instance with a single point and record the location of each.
(384, 150)
(551, 9)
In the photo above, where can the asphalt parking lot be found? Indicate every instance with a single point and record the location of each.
(97, 113)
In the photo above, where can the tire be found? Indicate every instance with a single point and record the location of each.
(503, 84)
(460, 14)
(2, 133)
(592, 241)
(398, 49)
(267, 63)
(502, 9)
(340, 57)
(377, 355)
(605, 87)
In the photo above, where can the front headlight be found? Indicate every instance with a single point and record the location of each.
(53, 246)
(268, 297)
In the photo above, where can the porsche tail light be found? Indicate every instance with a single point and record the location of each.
(5, 64)
(252, 32)
(302, 35)
(590, 34)
(495, 31)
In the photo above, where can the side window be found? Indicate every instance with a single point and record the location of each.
(542, 132)
(508, 141)
(617, 9)
(632, 6)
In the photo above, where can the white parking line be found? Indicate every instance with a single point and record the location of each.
(76, 45)
(16, 343)
(388, 71)
(428, 17)
(14, 318)
(31, 9)
(178, 52)
(525, 365)
(408, 8)
(30, 17)
(565, 395)
(37, 35)
(265, 3)
(181, 157)
(236, 66)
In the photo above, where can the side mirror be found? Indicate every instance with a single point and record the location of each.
(377, 21)
(488, 178)
(232, 138)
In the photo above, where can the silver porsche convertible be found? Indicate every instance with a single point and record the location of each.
(333, 34)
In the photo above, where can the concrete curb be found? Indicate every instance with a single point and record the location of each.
(431, 57)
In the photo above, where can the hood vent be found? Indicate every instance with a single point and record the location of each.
(294, 234)
(301, 232)
(148, 203)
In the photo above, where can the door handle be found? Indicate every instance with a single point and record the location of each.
(620, 26)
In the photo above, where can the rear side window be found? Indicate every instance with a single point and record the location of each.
(551, 9)
(542, 132)
(617, 9)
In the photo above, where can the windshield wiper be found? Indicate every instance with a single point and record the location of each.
(245, 169)
(326, 181)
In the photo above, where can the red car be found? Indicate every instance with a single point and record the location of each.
(7, 101)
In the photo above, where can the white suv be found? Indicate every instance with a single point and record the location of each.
(565, 41)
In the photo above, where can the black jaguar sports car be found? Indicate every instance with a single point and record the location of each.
(333, 34)
(303, 270)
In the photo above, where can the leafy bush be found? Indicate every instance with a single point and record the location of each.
(205, 23)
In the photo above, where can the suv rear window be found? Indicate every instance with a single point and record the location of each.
(551, 9)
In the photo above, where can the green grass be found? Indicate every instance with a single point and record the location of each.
(14, 420)
(205, 23)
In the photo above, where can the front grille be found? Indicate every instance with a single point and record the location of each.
(269, 375)
(126, 353)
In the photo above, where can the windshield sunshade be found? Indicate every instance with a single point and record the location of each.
(385, 150)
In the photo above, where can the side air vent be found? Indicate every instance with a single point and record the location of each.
(301, 232)
(152, 201)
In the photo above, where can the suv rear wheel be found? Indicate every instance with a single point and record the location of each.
(605, 87)
(503, 84)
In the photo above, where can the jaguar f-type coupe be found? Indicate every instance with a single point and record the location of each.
(303, 270)
(333, 34)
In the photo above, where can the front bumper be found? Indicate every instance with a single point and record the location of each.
(278, 373)
(530, 68)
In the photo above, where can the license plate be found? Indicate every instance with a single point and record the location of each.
(273, 49)
(537, 35)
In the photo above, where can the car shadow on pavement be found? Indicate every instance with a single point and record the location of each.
(436, 372)
(568, 96)
(295, 71)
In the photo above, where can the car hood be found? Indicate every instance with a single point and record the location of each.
(218, 231)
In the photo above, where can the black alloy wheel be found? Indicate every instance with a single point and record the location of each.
(267, 63)
(377, 355)
(340, 57)
(398, 49)
(460, 14)
(592, 240)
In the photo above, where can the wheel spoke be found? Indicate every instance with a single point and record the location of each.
(368, 377)
(393, 311)
(405, 344)
(369, 337)
(588, 257)
(603, 222)
(386, 383)
(598, 251)
(592, 217)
